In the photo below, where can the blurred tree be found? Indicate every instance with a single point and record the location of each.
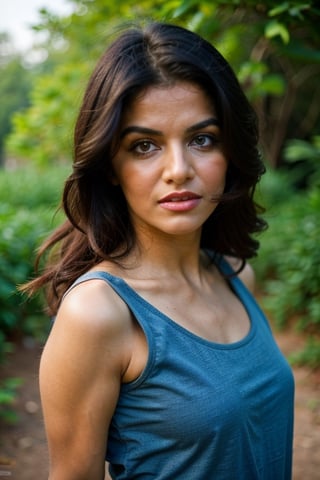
(43, 133)
(274, 49)
(14, 87)
(272, 46)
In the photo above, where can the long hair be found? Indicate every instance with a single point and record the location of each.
(98, 225)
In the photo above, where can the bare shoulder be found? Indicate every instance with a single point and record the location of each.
(94, 305)
(81, 369)
(91, 329)
(247, 274)
(93, 318)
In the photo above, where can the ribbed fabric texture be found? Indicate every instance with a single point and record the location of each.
(202, 410)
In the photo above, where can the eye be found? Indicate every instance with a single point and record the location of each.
(143, 147)
(204, 140)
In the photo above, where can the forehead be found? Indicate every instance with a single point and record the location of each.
(177, 90)
(161, 103)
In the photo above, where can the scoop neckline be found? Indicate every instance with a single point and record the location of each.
(235, 284)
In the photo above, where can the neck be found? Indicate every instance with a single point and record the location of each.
(162, 255)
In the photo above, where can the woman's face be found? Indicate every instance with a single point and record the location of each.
(170, 163)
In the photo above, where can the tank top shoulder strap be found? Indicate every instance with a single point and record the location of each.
(221, 263)
(140, 308)
(115, 282)
(121, 287)
(229, 273)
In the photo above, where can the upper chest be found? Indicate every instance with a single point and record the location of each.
(213, 312)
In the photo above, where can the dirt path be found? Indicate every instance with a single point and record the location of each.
(23, 452)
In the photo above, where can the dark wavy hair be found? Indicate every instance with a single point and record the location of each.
(98, 224)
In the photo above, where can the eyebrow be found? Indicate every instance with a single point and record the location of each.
(150, 131)
(204, 124)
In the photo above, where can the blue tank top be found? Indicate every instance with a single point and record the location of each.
(202, 410)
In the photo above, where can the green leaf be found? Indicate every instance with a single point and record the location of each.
(299, 150)
(283, 7)
(296, 10)
(275, 29)
(184, 7)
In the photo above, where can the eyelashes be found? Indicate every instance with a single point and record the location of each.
(143, 147)
(202, 142)
(205, 140)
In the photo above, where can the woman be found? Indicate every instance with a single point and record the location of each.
(159, 360)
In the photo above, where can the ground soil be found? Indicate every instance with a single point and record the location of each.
(23, 451)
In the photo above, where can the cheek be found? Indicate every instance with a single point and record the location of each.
(133, 183)
(139, 177)
(215, 175)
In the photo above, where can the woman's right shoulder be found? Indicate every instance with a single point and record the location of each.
(93, 305)
(93, 323)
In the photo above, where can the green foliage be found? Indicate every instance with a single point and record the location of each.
(262, 83)
(289, 259)
(50, 117)
(43, 133)
(20, 233)
(5, 346)
(305, 156)
(15, 84)
(271, 46)
(309, 355)
(8, 393)
(28, 200)
(27, 204)
(30, 187)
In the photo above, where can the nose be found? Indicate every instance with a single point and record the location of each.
(178, 167)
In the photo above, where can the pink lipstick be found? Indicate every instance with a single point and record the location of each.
(180, 201)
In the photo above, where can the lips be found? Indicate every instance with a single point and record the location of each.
(180, 201)
(179, 197)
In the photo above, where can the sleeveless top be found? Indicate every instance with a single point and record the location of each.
(202, 410)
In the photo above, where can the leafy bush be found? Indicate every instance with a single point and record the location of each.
(8, 393)
(21, 231)
(309, 355)
(294, 285)
(289, 259)
(28, 202)
(32, 188)
(304, 157)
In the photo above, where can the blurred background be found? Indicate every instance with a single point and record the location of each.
(47, 51)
